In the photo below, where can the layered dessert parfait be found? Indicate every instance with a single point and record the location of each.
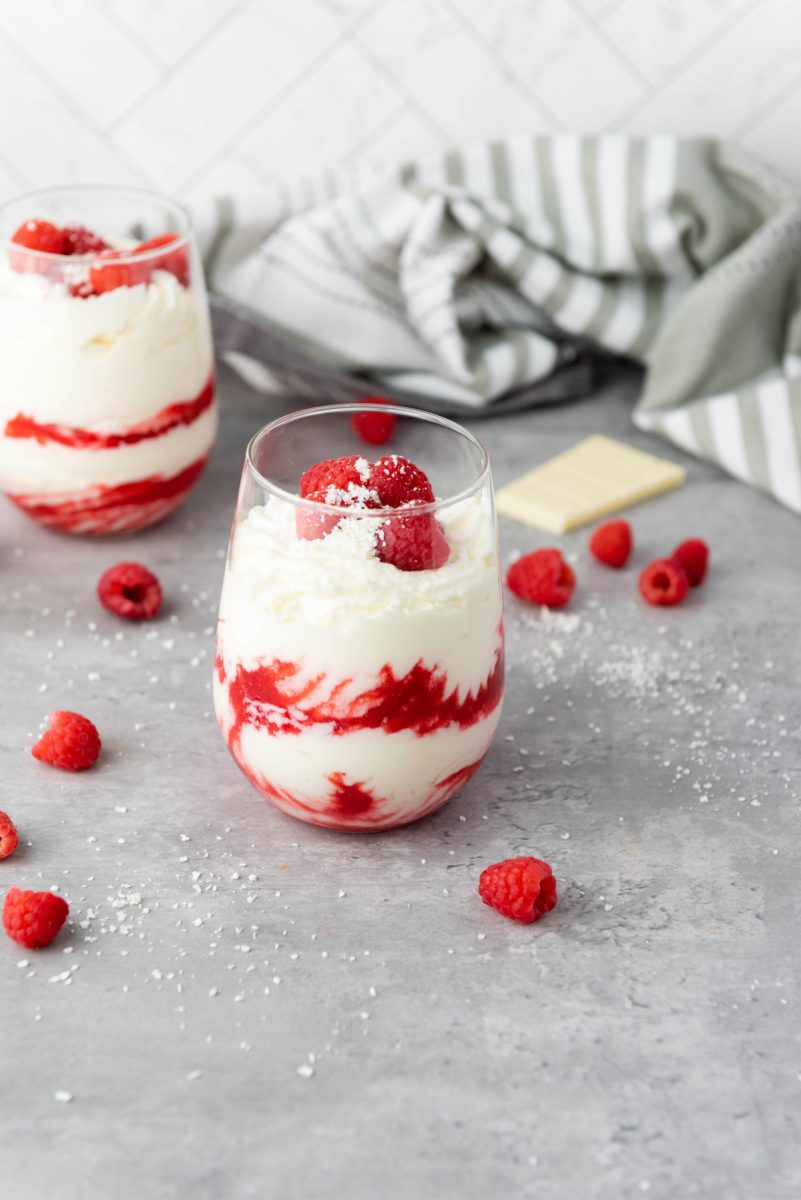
(359, 668)
(107, 412)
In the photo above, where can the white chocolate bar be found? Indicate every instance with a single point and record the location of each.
(594, 478)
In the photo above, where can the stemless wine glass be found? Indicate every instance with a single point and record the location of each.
(107, 412)
(359, 666)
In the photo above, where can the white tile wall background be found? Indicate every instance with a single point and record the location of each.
(200, 96)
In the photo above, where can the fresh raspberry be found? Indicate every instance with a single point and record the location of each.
(36, 235)
(9, 839)
(33, 918)
(72, 742)
(611, 543)
(107, 272)
(694, 557)
(664, 582)
(542, 577)
(129, 590)
(413, 543)
(175, 261)
(41, 235)
(311, 525)
(375, 428)
(334, 472)
(80, 240)
(523, 889)
(82, 290)
(398, 481)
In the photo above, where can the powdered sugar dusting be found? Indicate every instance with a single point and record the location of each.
(648, 683)
(364, 469)
(632, 671)
(353, 496)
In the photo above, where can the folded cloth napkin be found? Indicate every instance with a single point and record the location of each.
(488, 278)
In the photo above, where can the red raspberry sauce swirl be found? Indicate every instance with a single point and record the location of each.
(185, 412)
(119, 509)
(270, 697)
(352, 805)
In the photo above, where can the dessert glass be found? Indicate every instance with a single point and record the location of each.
(107, 412)
(351, 693)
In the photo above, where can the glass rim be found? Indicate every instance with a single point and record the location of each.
(122, 256)
(418, 414)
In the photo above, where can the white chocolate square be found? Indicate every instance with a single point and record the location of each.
(597, 477)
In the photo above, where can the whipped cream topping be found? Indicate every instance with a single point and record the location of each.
(334, 581)
(101, 363)
(332, 604)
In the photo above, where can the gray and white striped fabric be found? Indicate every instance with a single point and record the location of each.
(485, 278)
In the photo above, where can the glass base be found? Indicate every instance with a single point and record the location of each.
(105, 510)
(348, 807)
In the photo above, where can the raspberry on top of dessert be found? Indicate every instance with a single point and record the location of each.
(413, 541)
(95, 266)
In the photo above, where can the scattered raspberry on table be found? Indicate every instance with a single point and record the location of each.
(72, 742)
(542, 577)
(664, 582)
(611, 543)
(523, 889)
(374, 428)
(130, 591)
(693, 554)
(9, 839)
(33, 918)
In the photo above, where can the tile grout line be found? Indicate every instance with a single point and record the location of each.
(506, 68)
(276, 101)
(620, 55)
(375, 135)
(389, 75)
(704, 46)
(405, 94)
(14, 170)
(753, 119)
(239, 7)
(78, 114)
(138, 42)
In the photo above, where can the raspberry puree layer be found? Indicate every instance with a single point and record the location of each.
(182, 413)
(353, 806)
(271, 697)
(410, 728)
(117, 509)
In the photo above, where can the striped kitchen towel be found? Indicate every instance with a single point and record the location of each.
(488, 278)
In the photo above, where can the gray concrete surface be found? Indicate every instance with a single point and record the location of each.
(642, 1039)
